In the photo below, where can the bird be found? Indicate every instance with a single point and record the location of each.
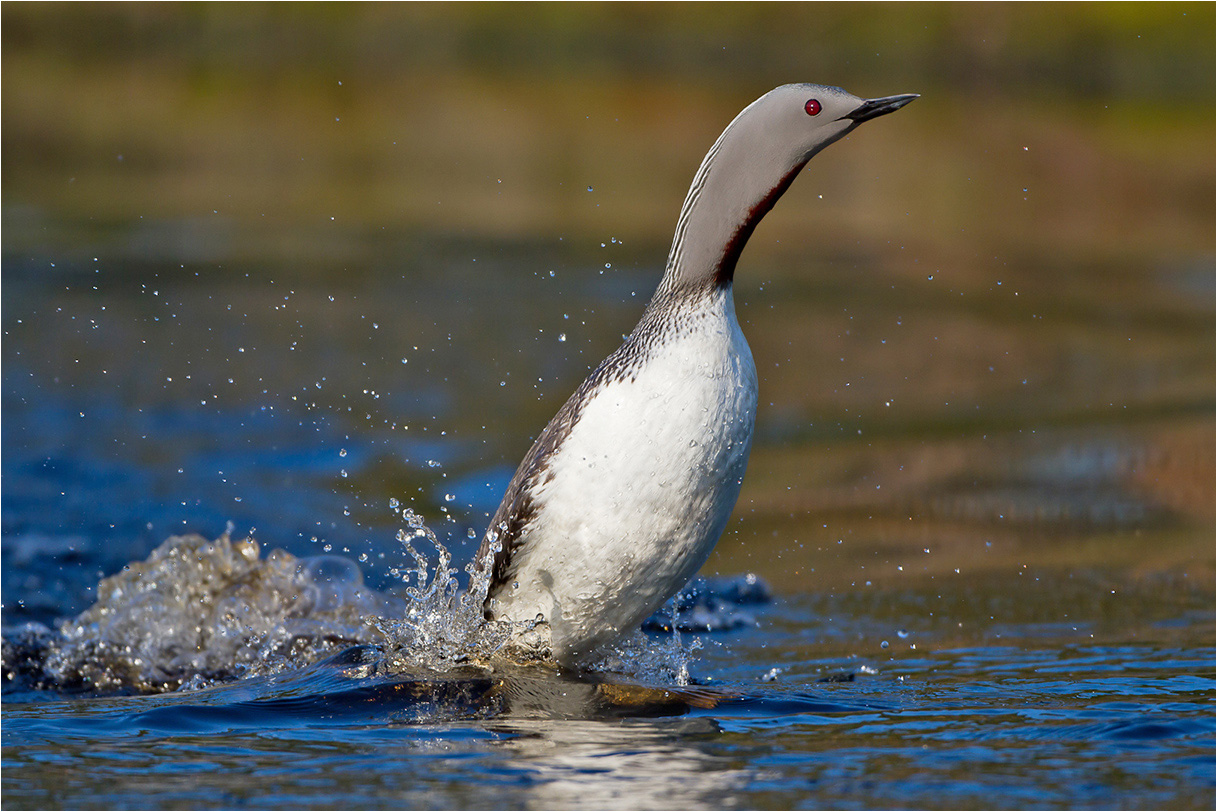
(623, 495)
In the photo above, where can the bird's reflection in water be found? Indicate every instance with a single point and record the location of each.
(582, 740)
(633, 764)
(595, 741)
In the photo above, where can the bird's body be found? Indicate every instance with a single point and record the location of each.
(624, 494)
(642, 470)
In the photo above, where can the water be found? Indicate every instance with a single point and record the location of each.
(1029, 715)
(1038, 634)
(973, 560)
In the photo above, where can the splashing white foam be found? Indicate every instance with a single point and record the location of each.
(198, 612)
(442, 625)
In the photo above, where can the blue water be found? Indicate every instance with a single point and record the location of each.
(1041, 636)
(1011, 724)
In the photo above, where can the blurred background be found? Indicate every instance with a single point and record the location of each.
(277, 264)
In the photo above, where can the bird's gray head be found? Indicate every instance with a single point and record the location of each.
(797, 121)
(751, 165)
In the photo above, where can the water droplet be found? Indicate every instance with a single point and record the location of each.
(589, 188)
(561, 336)
(342, 452)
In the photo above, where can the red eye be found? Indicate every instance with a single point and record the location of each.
(812, 107)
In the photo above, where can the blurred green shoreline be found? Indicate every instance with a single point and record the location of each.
(490, 121)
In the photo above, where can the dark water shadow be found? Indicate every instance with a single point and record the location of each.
(358, 687)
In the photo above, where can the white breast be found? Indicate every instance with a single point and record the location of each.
(639, 491)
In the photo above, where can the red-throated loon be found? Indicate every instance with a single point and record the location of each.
(624, 494)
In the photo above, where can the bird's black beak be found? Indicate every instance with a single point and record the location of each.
(873, 108)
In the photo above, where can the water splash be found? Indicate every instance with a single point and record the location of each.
(663, 661)
(442, 625)
(199, 612)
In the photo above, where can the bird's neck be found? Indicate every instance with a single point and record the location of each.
(730, 193)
